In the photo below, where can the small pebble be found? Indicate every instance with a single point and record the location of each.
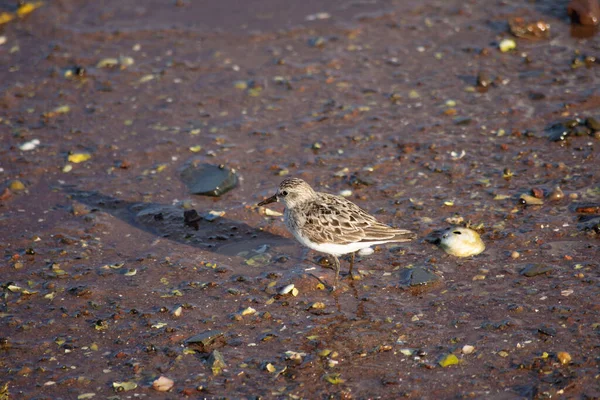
(108, 62)
(287, 289)
(593, 124)
(163, 384)
(320, 15)
(537, 193)
(16, 186)
(483, 79)
(212, 215)
(208, 179)
(126, 61)
(447, 360)
(563, 357)
(557, 194)
(6, 193)
(515, 254)
(585, 12)
(530, 200)
(507, 45)
(248, 311)
(30, 145)
(79, 157)
(468, 349)
(177, 311)
(346, 193)
(532, 270)
(417, 276)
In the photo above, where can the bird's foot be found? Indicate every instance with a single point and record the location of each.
(354, 276)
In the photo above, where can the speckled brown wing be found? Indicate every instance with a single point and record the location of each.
(333, 219)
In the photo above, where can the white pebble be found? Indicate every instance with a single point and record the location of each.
(507, 45)
(212, 215)
(468, 349)
(346, 193)
(27, 146)
(248, 311)
(320, 15)
(287, 289)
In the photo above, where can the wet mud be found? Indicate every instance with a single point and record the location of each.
(427, 114)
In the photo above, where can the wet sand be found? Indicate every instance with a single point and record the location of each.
(409, 105)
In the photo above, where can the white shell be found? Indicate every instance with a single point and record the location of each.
(27, 146)
(287, 289)
(462, 242)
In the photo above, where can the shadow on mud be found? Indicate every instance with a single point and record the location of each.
(220, 235)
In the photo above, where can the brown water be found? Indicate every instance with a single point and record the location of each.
(386, 89)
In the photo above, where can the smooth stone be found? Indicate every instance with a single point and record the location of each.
(557, 132)
(536, 269)
(586, 12)
(589, 223)
(547, 330)
(192, 218)
(208, 179)
(417, 276)
(556, 195)
(593, 124)
(16, 186)
(531, 200)
(203, 341)
(216, 362)
(258, 260)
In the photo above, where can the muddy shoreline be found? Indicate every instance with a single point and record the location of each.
(410, 106)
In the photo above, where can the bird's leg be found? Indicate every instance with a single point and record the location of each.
(337, 271)
(351, 264)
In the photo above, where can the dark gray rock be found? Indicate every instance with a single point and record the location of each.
(203, 342)
(536, 269)
(557, 132)
(417, 276)
(593, 124)
(546, 330)
(216, 362)
(208, 179)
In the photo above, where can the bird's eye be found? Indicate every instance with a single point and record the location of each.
(284, 193)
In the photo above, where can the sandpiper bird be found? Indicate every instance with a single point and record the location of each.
(331, 224)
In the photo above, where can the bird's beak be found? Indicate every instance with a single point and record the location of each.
(271, 199)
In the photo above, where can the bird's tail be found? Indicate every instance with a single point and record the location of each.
(403, 235)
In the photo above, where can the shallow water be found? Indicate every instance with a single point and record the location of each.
(380, 98)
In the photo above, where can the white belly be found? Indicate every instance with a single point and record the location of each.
(336, 249)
